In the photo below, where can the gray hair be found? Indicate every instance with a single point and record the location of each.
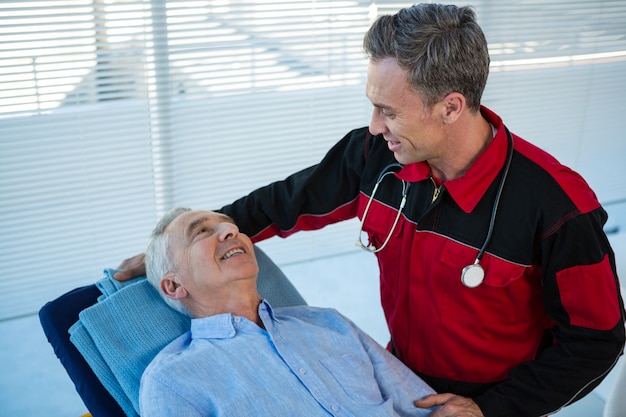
(442, 48)
(159, 260)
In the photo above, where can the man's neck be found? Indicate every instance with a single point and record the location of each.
(240, 304)
(467, 140)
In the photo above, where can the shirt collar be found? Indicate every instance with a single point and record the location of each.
(225, 326)
(219, 326)
(267, 312)
(467, 190)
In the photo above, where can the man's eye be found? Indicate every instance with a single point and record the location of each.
(387, 113)
(201, 231)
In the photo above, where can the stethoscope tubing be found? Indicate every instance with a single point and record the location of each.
(496, 203)
(472, 275)
(405, 190)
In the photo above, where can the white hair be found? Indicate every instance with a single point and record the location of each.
(159, 260)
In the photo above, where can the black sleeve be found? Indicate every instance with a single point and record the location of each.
(587, 335)
(309, 199)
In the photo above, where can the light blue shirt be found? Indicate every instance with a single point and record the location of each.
(308, 362)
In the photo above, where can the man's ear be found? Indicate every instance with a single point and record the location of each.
(172, 288)
(453, 106)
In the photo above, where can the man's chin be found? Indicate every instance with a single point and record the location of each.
(401, 158)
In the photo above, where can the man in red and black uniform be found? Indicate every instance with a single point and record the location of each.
(546, 323)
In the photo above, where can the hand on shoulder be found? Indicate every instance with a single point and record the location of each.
(131, 268)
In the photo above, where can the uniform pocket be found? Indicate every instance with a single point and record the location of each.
(508, 293)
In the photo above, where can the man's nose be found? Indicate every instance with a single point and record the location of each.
(377, 123)
(227, 231)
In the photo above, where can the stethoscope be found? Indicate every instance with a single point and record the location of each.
(405, 190)
(472, 275)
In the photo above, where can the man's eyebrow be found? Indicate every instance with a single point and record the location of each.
(379, 105)
(193, 225)
(197, 222)
(383, 107)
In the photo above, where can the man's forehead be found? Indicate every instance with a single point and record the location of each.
(386, 80)
(195, 214)
(190, 219)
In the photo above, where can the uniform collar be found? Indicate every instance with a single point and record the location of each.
(467, 190)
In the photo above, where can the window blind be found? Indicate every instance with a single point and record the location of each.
(111, 112)
(75, 149)
(276, 85)
(557, 80)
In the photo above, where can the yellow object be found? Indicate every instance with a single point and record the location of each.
(86, 415)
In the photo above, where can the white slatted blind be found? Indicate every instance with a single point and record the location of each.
(557, 79)
(276, 86)
(75, 148)
(113, 111)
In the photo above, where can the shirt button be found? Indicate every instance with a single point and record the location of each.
(333, 407)
(302, 371)
(237, 319)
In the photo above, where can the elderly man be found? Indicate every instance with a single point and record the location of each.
(243, 358)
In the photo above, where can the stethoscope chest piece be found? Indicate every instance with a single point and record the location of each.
(473, 275)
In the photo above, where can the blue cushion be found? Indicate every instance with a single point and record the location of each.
(56, 317)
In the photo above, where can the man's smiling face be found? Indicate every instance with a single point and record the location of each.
(211, 256)
(412, 130)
